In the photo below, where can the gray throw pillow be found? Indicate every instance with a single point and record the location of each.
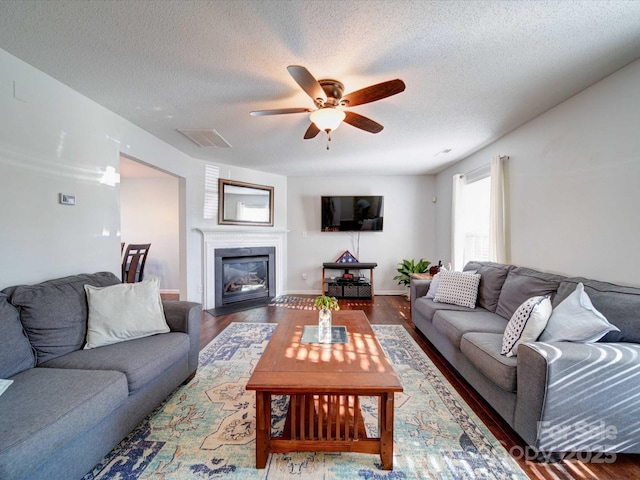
(493, 278)
(575, 319)
(16, 353)
(54, 313)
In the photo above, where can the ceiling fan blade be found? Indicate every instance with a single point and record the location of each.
(307, 82)
(363, 123)
(279, 111)
(374, 92)
(311, 132)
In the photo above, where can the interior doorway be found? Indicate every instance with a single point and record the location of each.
(150, 212)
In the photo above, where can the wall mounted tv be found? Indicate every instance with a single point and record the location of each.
(352, 213)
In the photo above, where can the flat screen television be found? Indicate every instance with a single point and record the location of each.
(352, 213)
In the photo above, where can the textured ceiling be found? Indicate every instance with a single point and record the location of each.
(474, 70)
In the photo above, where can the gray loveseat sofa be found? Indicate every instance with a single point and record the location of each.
(68, 407)
(558, 396)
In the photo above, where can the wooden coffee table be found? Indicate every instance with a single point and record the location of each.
(324, 383)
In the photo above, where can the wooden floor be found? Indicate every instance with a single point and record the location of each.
(387, 310)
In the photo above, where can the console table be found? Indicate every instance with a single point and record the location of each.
(346, 266)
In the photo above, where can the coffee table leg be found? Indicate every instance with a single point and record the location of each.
(385, 427)
(263, 427)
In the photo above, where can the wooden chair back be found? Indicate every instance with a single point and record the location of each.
(133, 262)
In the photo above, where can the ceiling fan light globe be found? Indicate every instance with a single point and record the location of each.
(327, 119)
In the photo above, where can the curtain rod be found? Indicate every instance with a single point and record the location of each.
(485, 166)
(477, 169)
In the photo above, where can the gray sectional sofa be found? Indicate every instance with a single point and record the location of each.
(67, 406)
(558, 396)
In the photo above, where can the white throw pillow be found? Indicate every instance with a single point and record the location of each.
(4, 384)
(526, 324)
(576, 320)
(433, 286)
(458, 288)
(124, 312)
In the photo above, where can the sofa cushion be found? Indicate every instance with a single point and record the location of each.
(457, 288)
(523, 283)
(483, 351)
(576, 320)
(141, 359)
(123, 312)
(526, 324)
(492, 277)
(454, 324)
(428, 308)
(47, 408)
(16, 353)
(54, 313)
(620, 305)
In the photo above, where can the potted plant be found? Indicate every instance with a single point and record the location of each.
(325, 304)
(406, 268)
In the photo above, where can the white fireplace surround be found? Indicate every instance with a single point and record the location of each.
(239, 238)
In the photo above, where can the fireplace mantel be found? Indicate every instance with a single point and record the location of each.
(236, 238)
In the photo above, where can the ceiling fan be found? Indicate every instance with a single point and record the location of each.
(329, 100)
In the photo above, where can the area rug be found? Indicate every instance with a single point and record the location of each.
(206, 429)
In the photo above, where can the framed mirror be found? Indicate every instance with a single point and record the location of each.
(241, 203)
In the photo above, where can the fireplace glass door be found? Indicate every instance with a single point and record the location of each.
(244, 278)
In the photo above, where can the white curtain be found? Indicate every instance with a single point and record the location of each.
(497, 228)
(457, 233)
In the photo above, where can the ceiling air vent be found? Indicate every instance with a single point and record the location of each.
(205, 137)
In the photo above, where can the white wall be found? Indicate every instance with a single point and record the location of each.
(408, 228)
(150, 214)
(54, 140)
(573, 184)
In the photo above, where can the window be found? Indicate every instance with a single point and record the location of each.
(471, 217)
(211, 175)
(253, 212)
(478, 223)
(476, 217)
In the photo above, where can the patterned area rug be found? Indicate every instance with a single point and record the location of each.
(207, 429)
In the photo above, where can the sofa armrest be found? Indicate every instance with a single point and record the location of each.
(579, 397)
(186, 317)
(419, 288)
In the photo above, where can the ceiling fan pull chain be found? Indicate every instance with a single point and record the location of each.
(328, 138)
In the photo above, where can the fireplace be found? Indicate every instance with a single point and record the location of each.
(242, 238)
(244, 277)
